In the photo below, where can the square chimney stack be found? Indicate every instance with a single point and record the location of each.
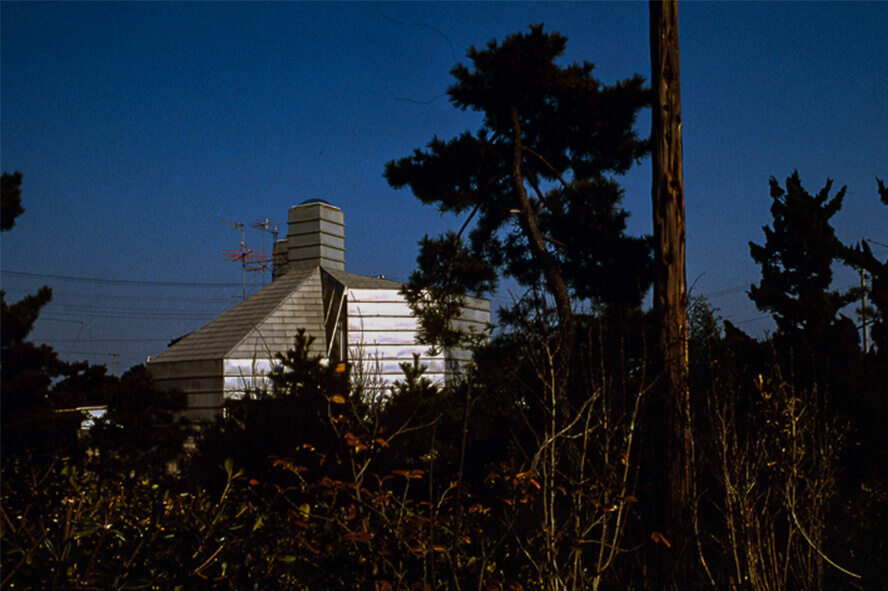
(315, 238)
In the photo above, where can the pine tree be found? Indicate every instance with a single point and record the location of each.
(536, 184)
(861, 257)
(27, 370)
(796, 260)
(10, 200)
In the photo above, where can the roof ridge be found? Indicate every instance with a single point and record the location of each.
(347, 278)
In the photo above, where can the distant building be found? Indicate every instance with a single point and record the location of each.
(362, 320)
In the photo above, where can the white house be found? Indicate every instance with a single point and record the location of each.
(362, 320)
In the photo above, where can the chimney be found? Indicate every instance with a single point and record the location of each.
(279, 264)
(315, 236)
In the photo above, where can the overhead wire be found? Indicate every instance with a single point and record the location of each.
(64, 309)
(115, 340)
(101, 281)
(77, 307)
(73, 311)
(118, 301)
(57, 294)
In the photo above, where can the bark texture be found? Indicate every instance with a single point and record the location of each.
(674, 451)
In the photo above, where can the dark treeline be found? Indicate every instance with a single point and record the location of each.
(535, 470)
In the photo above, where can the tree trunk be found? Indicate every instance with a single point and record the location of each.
(674, 452)
(554, 280)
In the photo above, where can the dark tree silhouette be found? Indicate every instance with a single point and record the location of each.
(796, 265)
(10, 200)
(29, 424)
(139, 434)
(536, 184)
(797, 257)
(861, 257)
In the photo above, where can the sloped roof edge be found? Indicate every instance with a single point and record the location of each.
(354, 281)
(274, 332)
(228, 330)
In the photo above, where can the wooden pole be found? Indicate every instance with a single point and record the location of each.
(864, 311)
(674, 451)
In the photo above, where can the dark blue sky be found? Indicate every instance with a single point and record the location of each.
(140, 126)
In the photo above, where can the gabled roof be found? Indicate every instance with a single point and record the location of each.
(266, 321)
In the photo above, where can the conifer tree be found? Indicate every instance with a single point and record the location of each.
(10, 200)
(536, 185)
(26, 369)
(861, 257)
(796, 259)
(796, 285)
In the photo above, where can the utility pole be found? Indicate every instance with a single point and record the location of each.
(863, 311)
(672, 441)
(114, 356)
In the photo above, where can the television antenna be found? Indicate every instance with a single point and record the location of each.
(265, 225)
(241, 255)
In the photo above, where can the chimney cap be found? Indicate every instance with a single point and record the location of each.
(313, 201)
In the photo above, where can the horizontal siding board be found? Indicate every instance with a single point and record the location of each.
(312, 239)
(381, 308)
(385, 337)
(396, 351)
(315, 211)
(237, 367)
(313, 226)
(196, 368)
(378, 323)
(314, 251)
(374, 295)
(474, 316)
(392, 367)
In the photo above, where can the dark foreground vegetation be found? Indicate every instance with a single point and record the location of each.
(537, 471)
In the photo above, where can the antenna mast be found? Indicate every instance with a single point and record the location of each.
(265, 225)
(241, 255)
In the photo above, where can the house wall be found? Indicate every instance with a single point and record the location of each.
(382, 334)
(242, 376)
(246, 366)
(200, 380)
(474, 318)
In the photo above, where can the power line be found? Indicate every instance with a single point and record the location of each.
(136, 316)
(724, 292)
(64, 295)
(118, 355)
(739, 322)
(86, 308)
(113, 340)
(102, 281)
